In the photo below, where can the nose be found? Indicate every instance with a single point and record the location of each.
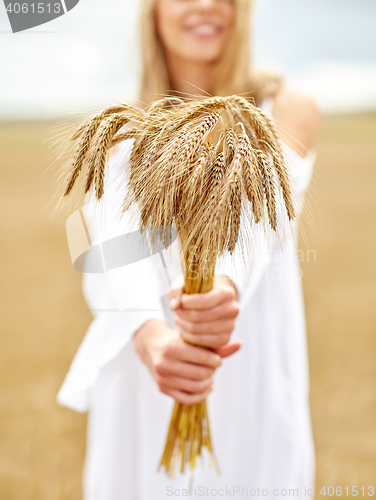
(206, 4)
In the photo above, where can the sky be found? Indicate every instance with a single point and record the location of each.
(88, 57)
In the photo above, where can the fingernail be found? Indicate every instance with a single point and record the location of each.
(173, 303)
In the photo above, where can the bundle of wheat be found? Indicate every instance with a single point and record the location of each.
(200, 167)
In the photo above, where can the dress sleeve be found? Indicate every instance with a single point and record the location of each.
(121, 299)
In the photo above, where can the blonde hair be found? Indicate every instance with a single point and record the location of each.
(234, 72)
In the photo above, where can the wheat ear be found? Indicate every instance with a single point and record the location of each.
(97, 159)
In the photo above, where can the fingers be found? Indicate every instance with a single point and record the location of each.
(209, 299)
(208, 319)
(228, 310)
(185, 398)
(176, 293)
(210, 341)
(192, 354)
(229, 349)
(227, 281)
(184, 384)
(213, 334)
(186, 370)
(212, 327)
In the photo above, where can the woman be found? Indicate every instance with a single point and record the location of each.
(131, 365)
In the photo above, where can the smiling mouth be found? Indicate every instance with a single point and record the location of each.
(204, 30)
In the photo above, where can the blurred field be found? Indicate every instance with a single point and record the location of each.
(43, 316)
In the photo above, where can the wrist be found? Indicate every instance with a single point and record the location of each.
(143, 336)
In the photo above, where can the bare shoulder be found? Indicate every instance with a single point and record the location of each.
(297, 118)
(112, 151)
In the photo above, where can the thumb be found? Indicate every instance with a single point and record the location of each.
(228, 349)
(176, 292)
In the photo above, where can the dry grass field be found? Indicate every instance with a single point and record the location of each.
(43, 316)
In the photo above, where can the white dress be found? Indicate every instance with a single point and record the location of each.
(259, 409)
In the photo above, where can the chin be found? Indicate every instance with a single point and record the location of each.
(201, 55)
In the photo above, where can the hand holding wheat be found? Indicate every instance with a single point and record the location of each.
(180, 370)
(209, 319)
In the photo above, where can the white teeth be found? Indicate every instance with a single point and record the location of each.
(205, 29)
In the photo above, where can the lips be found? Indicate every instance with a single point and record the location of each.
(204, 30)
